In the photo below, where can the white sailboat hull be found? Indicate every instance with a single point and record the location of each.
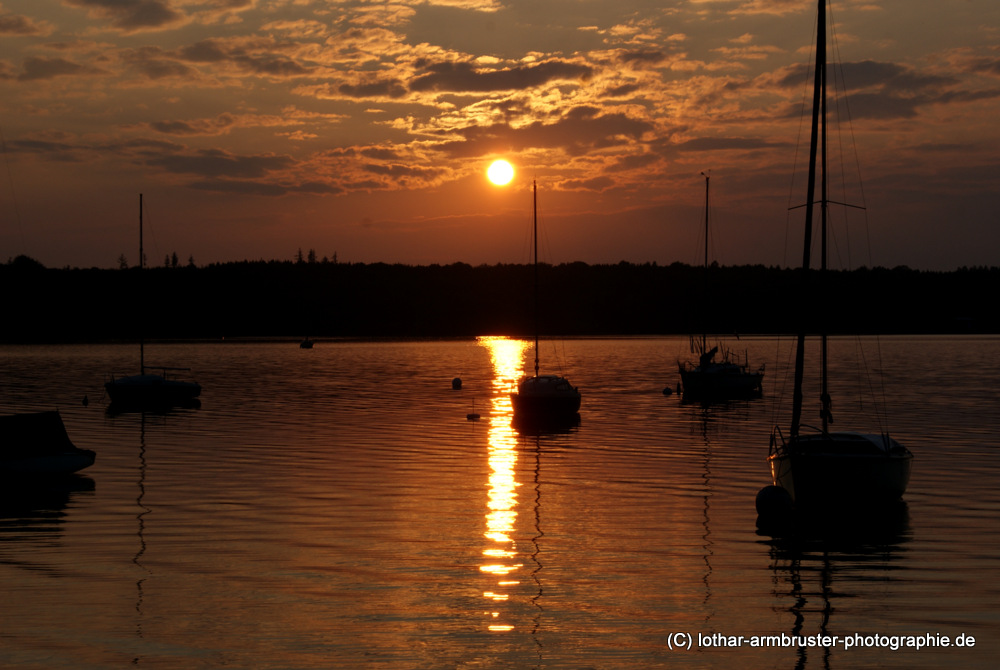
(38, 445)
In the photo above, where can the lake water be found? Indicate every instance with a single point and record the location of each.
(335, 508)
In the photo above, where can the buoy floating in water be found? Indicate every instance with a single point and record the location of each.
(773, 501)
(456, 383)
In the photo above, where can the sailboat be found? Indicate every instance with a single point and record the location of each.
(722, 379)
(543, 398)
(37, 445)
(148, 390)
(822, 467)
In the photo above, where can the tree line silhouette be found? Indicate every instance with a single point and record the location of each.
(279, 299)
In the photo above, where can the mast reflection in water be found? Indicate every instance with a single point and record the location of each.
(502, 561)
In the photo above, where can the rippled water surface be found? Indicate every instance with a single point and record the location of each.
(335, 507)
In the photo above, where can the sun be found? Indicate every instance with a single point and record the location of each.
(500, 172)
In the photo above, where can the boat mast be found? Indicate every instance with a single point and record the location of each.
(534, 208)
(704, 335)
(818, 109)
(823, 206)
(142, 349)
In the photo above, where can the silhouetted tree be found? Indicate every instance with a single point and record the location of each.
(173, 260)
(122, 262)
(312, 255)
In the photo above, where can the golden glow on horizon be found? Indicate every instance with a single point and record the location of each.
(500, 172)
(506, 357)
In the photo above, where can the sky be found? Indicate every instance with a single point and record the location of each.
(362, 130)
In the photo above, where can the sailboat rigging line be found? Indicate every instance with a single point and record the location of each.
(880, 410)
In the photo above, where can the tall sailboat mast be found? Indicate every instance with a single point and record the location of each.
(818, 114)
(142, 348)
(704, 335)
(823, 209)
(534, 209)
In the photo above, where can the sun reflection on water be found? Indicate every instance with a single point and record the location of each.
(501, 551)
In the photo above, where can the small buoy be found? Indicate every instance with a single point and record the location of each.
(86, 401)
(456, 383)
(667, 390)
(472, 416)
(774, 502)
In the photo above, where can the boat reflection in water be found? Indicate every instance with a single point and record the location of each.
(822, 558)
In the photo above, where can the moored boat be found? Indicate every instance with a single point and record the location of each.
(712, 379)
(826, 468)
(543, 399)
(147, 390)
(37, 445)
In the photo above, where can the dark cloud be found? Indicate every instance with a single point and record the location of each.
(397, 171)
(635, 162)
(378, 153)
(155, 64)
(215, 126)
(261, 188)
(55, 150)
(642, 56)
(985, 65)
(622, 91)
(879, 90)
(206, 51)
(893, 76)
(595, 184)
(15, 24)
(726, 144)
(886, 105)
(581, 130)
(465, 77)
(389, 88)
(317, 187)
(49, 68)
(263, 57)
(143, 146)
(869, 73)
(217, 163)
(238, 187)
(132, 15)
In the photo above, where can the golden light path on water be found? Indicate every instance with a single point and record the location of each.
(506, 357)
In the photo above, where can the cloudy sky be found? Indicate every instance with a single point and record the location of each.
(255, 128)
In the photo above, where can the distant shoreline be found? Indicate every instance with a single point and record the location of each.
(288, 300)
